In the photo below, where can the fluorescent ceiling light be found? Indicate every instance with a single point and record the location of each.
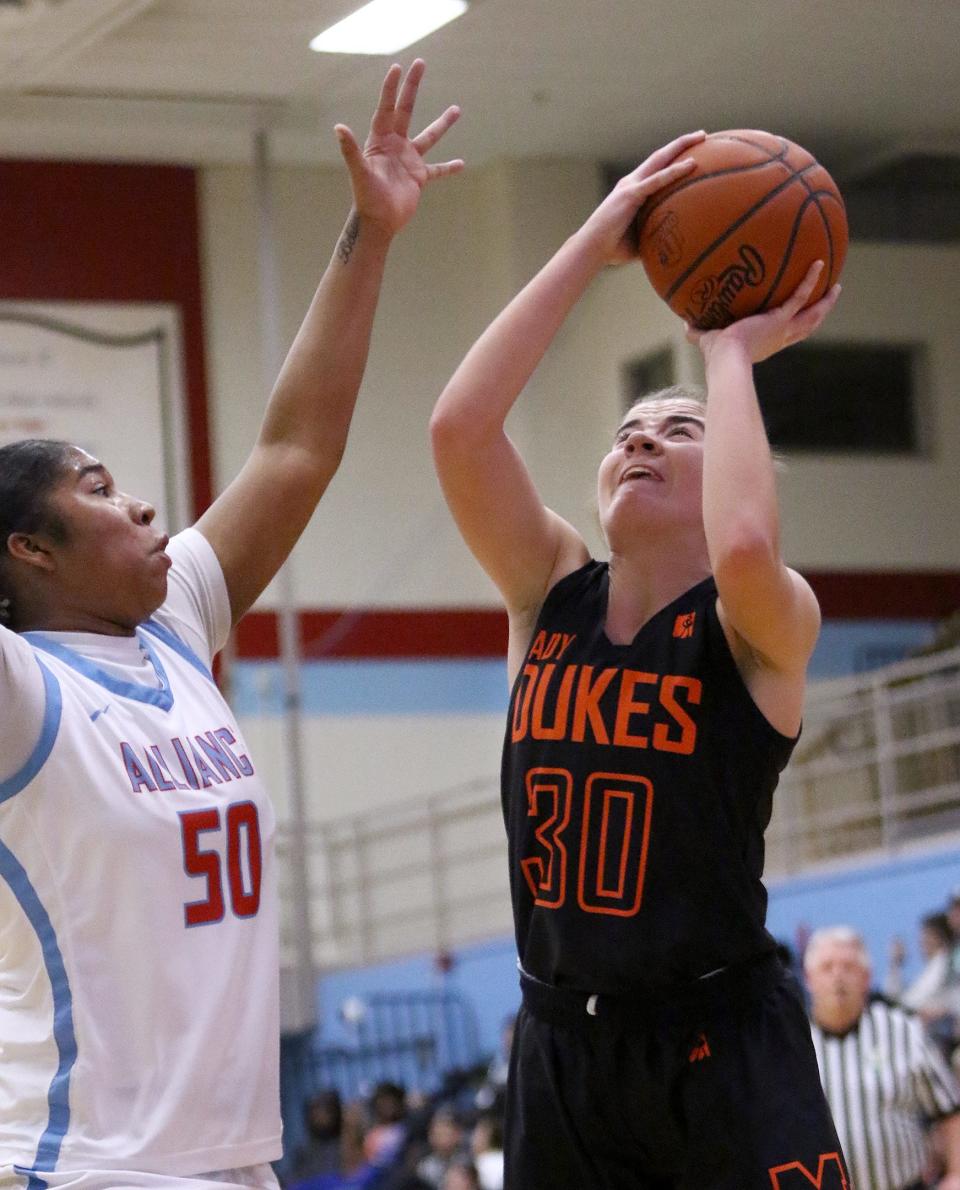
(385, 26)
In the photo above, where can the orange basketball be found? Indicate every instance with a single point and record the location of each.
(737, 234)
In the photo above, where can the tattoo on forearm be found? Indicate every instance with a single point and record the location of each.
(348, 239)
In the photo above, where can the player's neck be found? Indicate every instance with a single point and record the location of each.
(69, 619)
(642, 585)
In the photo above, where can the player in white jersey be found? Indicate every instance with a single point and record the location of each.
(139, 1041)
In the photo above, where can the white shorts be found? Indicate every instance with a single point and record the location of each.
(250, 1177)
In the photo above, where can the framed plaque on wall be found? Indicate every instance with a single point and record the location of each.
(108, 377)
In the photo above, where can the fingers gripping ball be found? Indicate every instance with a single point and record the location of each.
(738, 233)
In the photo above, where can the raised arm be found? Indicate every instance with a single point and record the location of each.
(768, 609)
(257, 520)
(521, 544)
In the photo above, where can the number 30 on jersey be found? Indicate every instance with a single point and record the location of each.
(611, 854)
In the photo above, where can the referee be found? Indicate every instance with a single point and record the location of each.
(886, 1084)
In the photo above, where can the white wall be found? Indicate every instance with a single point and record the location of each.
(382, 536)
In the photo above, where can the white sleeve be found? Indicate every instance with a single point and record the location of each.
(936, 1088)
(22, 703)
(197, 607)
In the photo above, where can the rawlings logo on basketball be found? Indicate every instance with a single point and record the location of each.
(713, 297)
(667, 240)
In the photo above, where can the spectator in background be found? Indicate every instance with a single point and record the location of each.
(936, 939)
(486, 1142)
(461, 1175)
(953, 920)
(490, 1094)
(446, 1141)
(880, 1073)
(387, 1133)
(321, 1152)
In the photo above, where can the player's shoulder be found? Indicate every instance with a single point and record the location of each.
(197, 606)
(885, 1009)
(582, 574)
(191, 553)
(12, 644)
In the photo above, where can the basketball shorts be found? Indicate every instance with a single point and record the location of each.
(715, 1088)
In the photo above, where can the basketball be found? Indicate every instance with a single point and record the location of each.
(737, 234)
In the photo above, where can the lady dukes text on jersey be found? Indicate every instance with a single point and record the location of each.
(628, 708)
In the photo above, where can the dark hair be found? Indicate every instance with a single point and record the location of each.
(495, 1123)
(388, 1103)
(328, 1105)
(29, 470)
(937, 923)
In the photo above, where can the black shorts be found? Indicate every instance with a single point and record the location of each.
(715, 1089)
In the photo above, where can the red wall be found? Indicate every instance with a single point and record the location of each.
(83, 231)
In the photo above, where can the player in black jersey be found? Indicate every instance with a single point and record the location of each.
(656, 697)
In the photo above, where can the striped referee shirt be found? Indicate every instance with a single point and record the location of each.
(884, 1081)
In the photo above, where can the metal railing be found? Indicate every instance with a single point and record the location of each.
(425, 875)
(410, 1038)
(877, 770)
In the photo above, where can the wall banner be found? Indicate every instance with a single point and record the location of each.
(108, 377)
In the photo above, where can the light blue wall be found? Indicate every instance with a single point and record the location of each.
(879, 899)
(345, 687)
(438, 687)
(854, 646)
(484, 973)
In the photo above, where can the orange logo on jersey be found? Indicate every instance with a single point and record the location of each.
(683, 625)
(701, 1050)
(795, 1175)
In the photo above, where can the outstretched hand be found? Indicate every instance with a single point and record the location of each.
(763, 335)
(611, 224)
(388, 175)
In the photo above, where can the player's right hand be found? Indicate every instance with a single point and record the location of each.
(389, 173)
(610, 230)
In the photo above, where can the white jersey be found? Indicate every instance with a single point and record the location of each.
(138, 917)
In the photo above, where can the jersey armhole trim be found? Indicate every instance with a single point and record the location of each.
(53, 707)
(172, 641)
(738, 678)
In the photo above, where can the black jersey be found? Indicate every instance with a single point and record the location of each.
(637, 782)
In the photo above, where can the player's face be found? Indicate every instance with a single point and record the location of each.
(445, 1135)
(655, 466)
(838, 978)
(111, 564)
(457, 1178)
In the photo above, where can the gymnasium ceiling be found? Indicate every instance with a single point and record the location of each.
(859, 81)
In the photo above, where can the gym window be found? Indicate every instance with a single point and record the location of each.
(856, 398)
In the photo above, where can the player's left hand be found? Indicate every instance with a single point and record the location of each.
(388, 175)
(763, 335)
